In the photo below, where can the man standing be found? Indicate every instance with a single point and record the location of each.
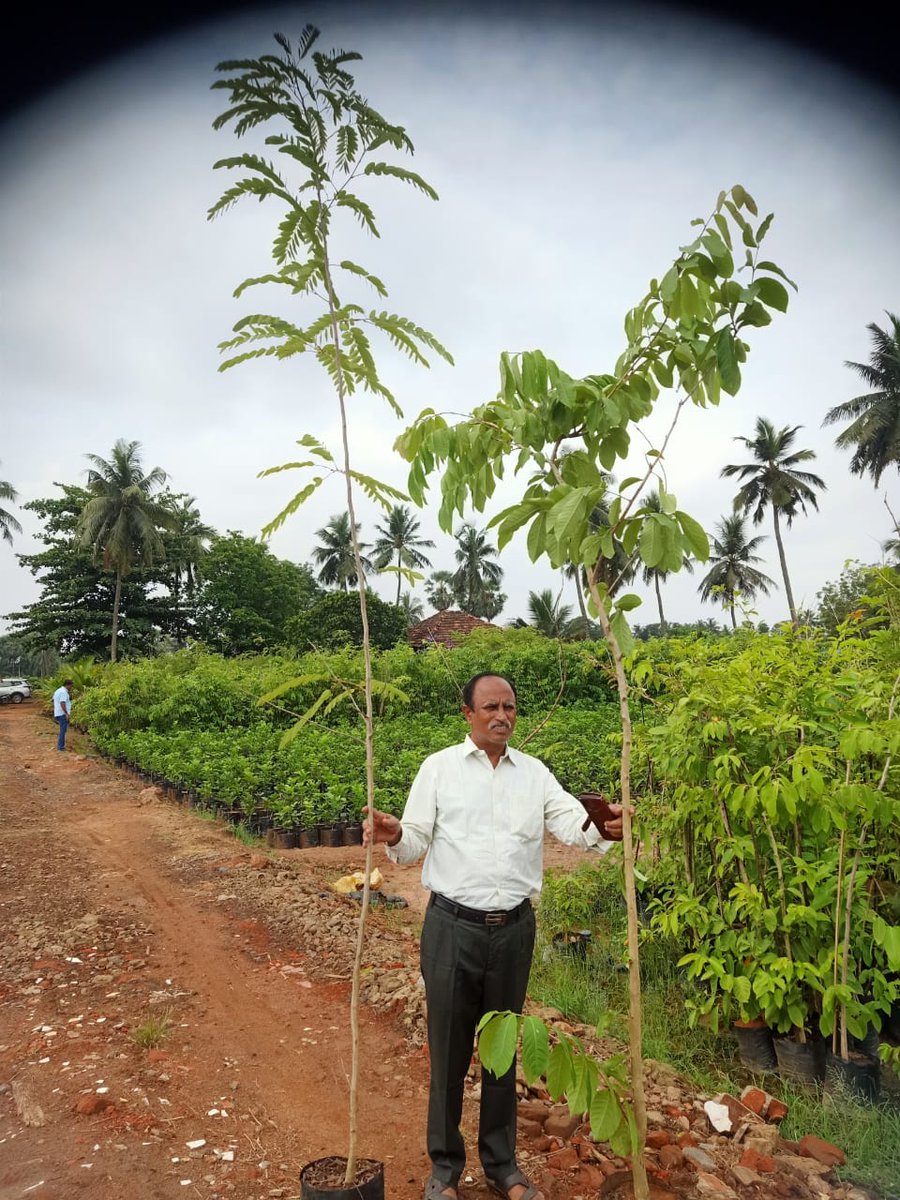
(62, 707)
(477, 811)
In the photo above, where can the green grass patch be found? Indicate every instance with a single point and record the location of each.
(152, 1032)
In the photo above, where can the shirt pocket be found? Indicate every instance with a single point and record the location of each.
(526, 819)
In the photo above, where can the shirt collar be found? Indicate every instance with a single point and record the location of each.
(469, 747)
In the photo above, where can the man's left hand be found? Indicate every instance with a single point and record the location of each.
(612, 830)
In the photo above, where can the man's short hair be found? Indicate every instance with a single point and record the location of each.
(468, 692)
(68, 683)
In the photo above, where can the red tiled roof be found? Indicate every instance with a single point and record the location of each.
(446, 628)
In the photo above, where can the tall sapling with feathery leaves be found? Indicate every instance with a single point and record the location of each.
(328, 143)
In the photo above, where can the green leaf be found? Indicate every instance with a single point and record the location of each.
(567, 514)
(605, 1115)
(535, 1048)
(694, 535)
(381, 168)
(726, 357)
(620, 1139)
(559, 1070)
(774, 269)
(627, 602)
(537, 537)
(291, 507)
(497, 1043)
(652, 542)
(355, 269)
(622, 633)
(772, 293)
(510, 520)
(362, 210)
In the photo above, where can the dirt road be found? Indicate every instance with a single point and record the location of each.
(115, 909)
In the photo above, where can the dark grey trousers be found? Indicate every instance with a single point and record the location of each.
(469, 970)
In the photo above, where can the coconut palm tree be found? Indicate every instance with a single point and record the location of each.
(337, 565)
(732, 570)
(123, 517)
(773, 481)
(412, 608)
(439, 590)
(400, 538)
(477, 577)
(186, 545)
(655, 575)
(8, 522)
(548, 615)
(874, 429)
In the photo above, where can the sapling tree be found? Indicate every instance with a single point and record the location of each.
(328, 145)
(685, 337)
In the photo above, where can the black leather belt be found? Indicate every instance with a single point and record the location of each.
(477, 915)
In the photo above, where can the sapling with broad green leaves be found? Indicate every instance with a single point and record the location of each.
(687, 337)
(328, 143)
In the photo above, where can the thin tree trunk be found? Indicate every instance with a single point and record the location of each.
(399, 576)
(115, 620)
(733, 617)
(353, 1138)
(663, 628)
(579, 588)
(792, 608)
(639, 1170)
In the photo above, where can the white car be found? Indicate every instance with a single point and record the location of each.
(14, 691)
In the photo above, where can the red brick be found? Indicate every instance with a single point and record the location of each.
(658, 1137)
(755, 1099)
(671, 1157)
(87, 1106)
(763, 1104)
(590, 1176)
(822, 1151)
(757, 1162)
(686, 1139)
(565, 1160)
(530, 1129)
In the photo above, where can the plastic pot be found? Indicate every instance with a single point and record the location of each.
(860, 1074)
(801, 1061)
(572, 942)
(323, 1179)
(892, 1024)
(309, 837)
(352, 834)
(331, 835)
(756, 1047)
(281, 839)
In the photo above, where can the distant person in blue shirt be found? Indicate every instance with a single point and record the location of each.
(62, 708)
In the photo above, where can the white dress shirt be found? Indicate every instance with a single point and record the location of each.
(481, 828)
(60, 698)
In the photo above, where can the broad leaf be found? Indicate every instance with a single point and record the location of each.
(726, 357)
(605, 1115)
(535, 1048)
(497, 1043)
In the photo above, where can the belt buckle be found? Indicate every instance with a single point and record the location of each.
(495, 918)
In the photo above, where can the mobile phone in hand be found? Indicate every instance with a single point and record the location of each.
(598, 808)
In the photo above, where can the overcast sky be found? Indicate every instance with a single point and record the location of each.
(570, 157)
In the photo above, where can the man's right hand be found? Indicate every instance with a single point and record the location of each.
(386, 828)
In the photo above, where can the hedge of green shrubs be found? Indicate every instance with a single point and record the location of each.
(194, 720)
